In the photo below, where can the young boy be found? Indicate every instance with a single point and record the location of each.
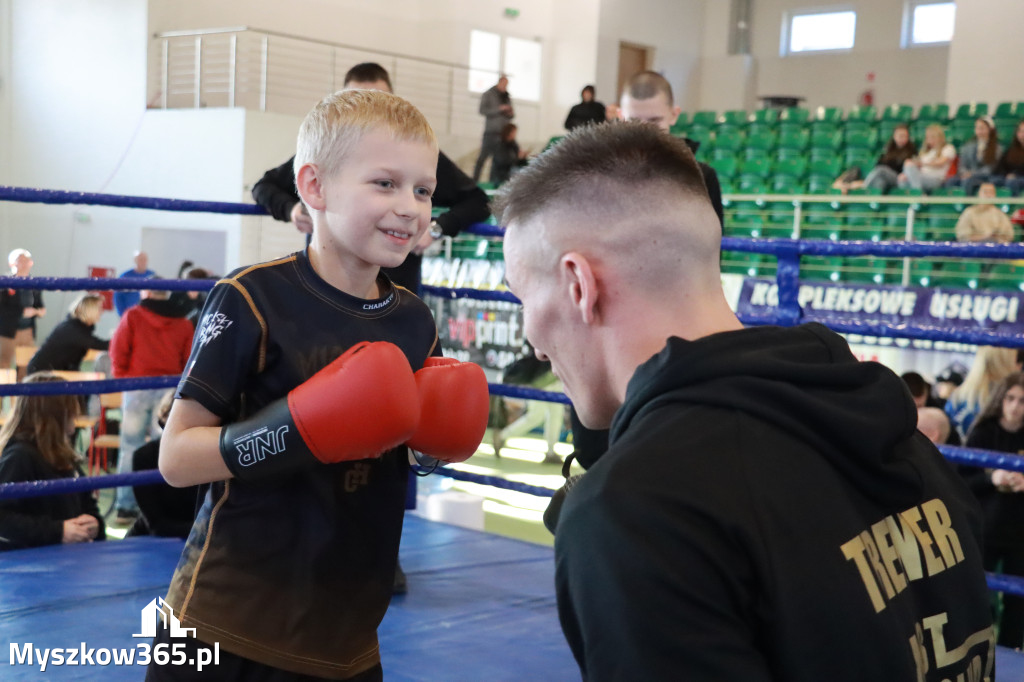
(300, 423)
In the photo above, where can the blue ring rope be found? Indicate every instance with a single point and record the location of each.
(90, 387)
(105, 283)
(52, 196)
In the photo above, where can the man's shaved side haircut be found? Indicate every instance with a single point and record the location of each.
(631, 154)
(647, 84)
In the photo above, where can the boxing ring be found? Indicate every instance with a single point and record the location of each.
(479, 606)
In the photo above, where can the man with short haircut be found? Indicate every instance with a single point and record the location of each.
(766, 509)
(647, 97)
(124, 299)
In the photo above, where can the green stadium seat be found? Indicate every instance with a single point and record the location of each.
(787, 153)
(960, 130)
(681, 123)
(723, 154)
(794, 115)
(759, 167)
(821, 220)
(957, 274)
(761, 140)
(794, 139)
(729, 139)
(828, 115)
(750, 183)
(726, 167)
(736, 117)
(899, 113)
(829, 166)
(786, 184)
(704, 118)
(826, 139)
(941, 222)
(861, 139)
(821, 268)
(970, 111)
(872, 269)
(769, 117)
(756, 152)
(933, 113)
(820, 184)
(747, 218)
(779, 220)
(1009, 110)
(921, 272)
(861, 113)
(702, 134)
(1005, 131)
(861, 158)
(1005, 276)
(741, 263)
(793, 167)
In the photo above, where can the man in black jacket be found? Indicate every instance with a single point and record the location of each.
(466, 203)
(766, 509)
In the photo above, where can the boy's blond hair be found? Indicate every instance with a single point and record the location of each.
(340, 120)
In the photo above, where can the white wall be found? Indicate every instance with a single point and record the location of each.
(987, 53)
(915, 76)
(672, 28)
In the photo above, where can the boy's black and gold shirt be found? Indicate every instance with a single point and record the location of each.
(294, 572)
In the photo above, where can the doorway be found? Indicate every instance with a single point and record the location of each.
(632, 60)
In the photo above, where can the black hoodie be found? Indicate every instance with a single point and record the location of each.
(767, 510)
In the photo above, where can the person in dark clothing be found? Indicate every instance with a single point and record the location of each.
(67, 344)
(164, 511)
(1000, 426)
(191, 302)
(466, 203)
(508, 156)
(36, 446)
(496, 108)
(766, 508)
(19, 309)
(587, 111)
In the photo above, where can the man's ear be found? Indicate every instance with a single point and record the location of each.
(580, 284)
(310, 186)
(675, 114)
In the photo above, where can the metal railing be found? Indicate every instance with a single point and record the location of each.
(870, 218)
(268, 71)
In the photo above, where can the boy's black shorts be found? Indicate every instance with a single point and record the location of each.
(231, 666)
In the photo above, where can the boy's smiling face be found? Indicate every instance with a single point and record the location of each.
(377, 205)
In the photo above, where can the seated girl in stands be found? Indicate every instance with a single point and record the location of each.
(991, 365)
(978, 157)
(70, 340)
(1009, 170)
(1001, 427)
(898, 150)
(929, 168)
(36, 446)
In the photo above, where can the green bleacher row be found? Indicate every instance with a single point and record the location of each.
(946, 273)
(794, 151)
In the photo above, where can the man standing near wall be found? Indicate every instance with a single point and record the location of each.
(496, 108)
(123, 300)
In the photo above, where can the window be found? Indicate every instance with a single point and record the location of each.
(818, 32)
(491, 54)
(928, 23)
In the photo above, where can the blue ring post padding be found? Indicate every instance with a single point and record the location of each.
(477, 294)
(788, 277)
(510, 391)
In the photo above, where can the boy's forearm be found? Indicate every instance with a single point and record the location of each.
(192, 456)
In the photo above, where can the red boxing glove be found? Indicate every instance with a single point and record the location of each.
(454, 404)
(361, 405)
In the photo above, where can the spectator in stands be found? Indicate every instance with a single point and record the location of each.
(949, 380)
(934, 424)
(496, 108)
(164, 511)
(1000, 427)
(70, 340)
(978, 157)
(152, 339)
(929, 168)
(984, 222)
(991, 365)
(647, 96)
(920, 390)
(19, 309)
(123, 300)
(36, 442)
(587, 111)
(1009, 170)
(191, 302)
(898, 150)
(508, 156)
(466, 203)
